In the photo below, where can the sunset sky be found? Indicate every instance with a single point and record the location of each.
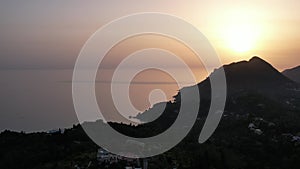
(50, 34)
(36, 36)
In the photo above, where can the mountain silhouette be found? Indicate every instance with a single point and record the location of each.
(255, 74)
(254, 77)
(293, 74)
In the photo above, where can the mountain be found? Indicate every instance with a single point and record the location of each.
(260, 124)
(255, 77)
(255, 74)
(293, 74)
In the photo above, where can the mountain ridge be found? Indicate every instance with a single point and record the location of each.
(293, 73)
(253, 77)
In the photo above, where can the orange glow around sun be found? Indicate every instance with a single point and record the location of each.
(241, 30)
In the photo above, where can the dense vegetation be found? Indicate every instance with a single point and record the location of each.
(233, 145)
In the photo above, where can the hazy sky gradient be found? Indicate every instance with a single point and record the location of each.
(50, 34)
(38, 39)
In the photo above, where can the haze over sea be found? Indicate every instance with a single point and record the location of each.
(45, 95)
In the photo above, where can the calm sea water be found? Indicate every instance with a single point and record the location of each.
(37, 100)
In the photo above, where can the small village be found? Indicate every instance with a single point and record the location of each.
(106, 158)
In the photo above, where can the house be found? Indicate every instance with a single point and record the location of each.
(251, 126)
(105, 156)
(258, 131)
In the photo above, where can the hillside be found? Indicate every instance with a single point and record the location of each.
(253, 77)
(293, 74)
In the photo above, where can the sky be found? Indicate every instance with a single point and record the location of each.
(40, 42)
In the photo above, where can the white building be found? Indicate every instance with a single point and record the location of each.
(105, 156)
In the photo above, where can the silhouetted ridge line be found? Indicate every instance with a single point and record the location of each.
(293, 74)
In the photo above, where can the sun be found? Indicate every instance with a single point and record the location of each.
(241, 37)
(240, 29)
